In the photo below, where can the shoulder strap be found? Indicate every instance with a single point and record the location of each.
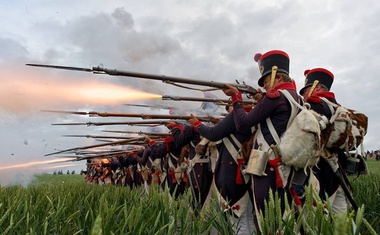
(330, 104)
(295, 106)
(273, 131)
(232, 145)
(291, 99)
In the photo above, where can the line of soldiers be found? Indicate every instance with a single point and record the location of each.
(200, 156)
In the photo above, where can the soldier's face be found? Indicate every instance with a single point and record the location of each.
(267, 82)
(277, 81)
(306, 93)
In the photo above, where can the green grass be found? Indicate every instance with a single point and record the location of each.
(65, 204)
(57, 179)
(366, 191)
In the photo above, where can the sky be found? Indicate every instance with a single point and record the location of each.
(203, 40)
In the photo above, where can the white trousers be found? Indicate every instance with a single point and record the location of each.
(244, 225)
(338, 201)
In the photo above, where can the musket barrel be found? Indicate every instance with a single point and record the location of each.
(131, 123)
(101, 136)
(138, 132)
(143, 116)
(167, 79)
(120, 142)
(241, 87)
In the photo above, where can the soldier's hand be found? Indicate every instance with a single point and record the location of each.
(230, 90)
(215, 120)
(259, 95)
(192, 120)
(147, 139)
(169, 124)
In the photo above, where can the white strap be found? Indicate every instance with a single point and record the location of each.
(273, 131)
(293, 114)
(231, 148)
(171, 154)
(192, 144)
(330, 104)
(291, 99)
(261, 140)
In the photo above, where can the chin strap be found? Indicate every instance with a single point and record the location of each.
(315, 83)
(273, 76)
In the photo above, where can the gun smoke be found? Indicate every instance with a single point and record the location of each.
(25, 90)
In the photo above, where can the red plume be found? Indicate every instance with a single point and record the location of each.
(257, 57)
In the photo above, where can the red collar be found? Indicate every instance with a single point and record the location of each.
(315, 98)
(274, 92)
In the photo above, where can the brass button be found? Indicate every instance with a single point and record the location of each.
(271, 169)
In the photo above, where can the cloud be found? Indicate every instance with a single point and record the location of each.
(11, 49)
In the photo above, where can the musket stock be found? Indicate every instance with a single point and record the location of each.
(213, 100)
(244, 88)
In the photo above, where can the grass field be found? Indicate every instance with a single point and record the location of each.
(65, 204)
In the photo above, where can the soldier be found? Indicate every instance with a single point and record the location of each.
(232, 187)
(271, 117)
(171, 155)
(150, 165)
(199, 170)
(318, 83)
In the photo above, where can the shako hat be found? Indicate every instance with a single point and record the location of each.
(268, 60)
(320, 76)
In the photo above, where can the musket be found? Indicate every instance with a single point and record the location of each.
(213, 100)
(100, 136)
(131, 123)
(138, 133)
(113, 143)
(105, 137)
(143, 116)
(80, 158)
(116, 151)
(151, 106)
(135, 142)
(244, 88)
(84, 154)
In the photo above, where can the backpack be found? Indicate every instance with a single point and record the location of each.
(348, 128)
(300, 145)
